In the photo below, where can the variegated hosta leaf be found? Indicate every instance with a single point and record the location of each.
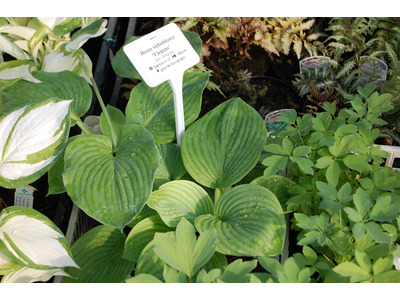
(249, 221)
(141, 235)
(21, 31)
(219, 149)
(27, 275)
(30, 239)
(99, 255)
(59, 25)
(10, 48)
(32, 138)
(177, 199)
(64, 85)
(17, 69)
(111, 185)
(80, 37)
(153, 108)
(171, 164)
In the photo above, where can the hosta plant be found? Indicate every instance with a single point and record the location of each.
(345, 204)
(133, 174)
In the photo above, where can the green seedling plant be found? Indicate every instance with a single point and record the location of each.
(134, 177)
(345, 203)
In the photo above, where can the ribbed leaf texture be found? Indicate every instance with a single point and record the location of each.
(219, 149)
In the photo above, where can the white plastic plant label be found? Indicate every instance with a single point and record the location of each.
(164, 55)
(161, 54)
(23, 197)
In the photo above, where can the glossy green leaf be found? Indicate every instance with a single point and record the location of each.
(99, 255)
(249, 222)
(181, 198)
(29, 146)
(30, 239)
(219, 149)
(141, 235)
(111, 187)
(117, 119)
(171, 164)
(153, 108)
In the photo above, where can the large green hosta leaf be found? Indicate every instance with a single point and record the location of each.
(31, 139)
(153, 108)
(30, 239)
(124, 67)
(219, 149)
(111, 187)
(182, 198)
(63, 85)
(249, 222)
(99, 255)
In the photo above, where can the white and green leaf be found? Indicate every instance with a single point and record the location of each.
(28, 145)
(32, 240)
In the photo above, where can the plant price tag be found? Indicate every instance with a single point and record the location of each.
(164, 55)
(23, 197)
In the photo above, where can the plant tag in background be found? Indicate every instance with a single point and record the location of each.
(164, 55)
(23, 197)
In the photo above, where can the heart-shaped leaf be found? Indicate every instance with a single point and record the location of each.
(31, 139)
(219, 149)
(99, 255)
(177, 199)
(63, 85)
(153, 108)
(249, 221)
(111, 187)
(30, 239)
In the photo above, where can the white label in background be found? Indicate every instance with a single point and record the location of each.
(23, 197)
(161, 54)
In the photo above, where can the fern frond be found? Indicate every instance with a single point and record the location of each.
(348, 66)
(395, 63)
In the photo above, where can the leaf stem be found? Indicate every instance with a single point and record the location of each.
(103, 107)
(82, 126)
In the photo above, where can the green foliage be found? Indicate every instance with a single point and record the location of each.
(345, 204)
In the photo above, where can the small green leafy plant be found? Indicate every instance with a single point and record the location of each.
(345, 204)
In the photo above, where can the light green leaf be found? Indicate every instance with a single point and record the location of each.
(333, 173)
(111, 188)
(351, 270)
(249, 222)
(177, 199)
(375, 231)
(305, 164)
(308, 238)
(301, 151)
(183, 252)
(384, 211)
(382, 264)
(99, 254)
(275, 148)
(363, 260)
(270, 264)
(141, 235)
(387, 277)
(274, 163)
(357, 162)
(210, 277)
(32, 240)
(238, 271)
(143, 278)
(287, 145)
(173, 276)
(29, 146)
(219, 149)
(153, 108)
(362, 201)
(352, 214)
(323, 162)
